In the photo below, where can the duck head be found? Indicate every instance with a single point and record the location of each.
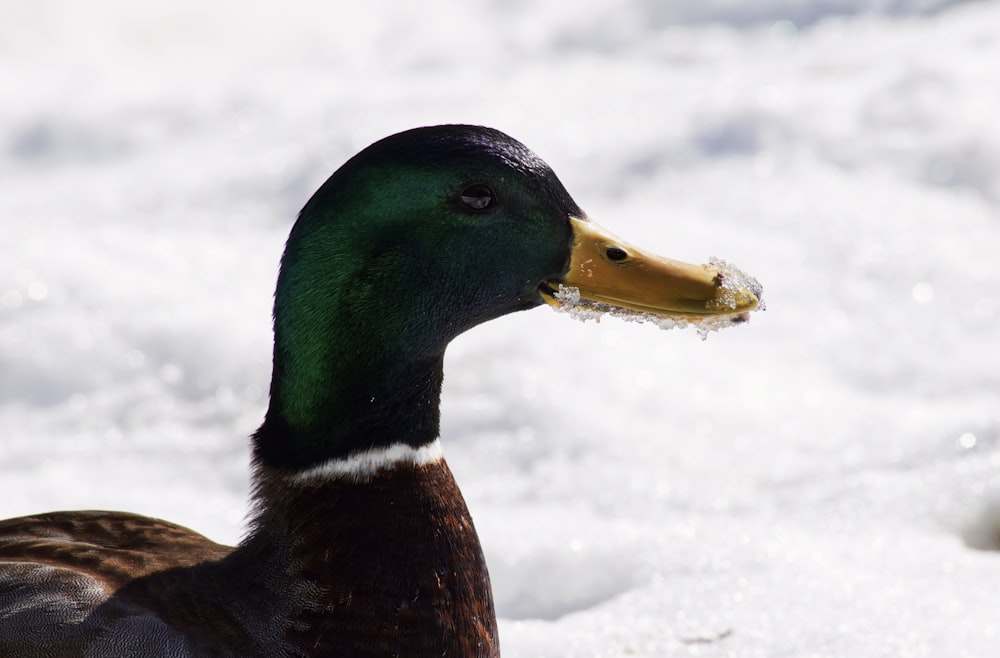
(414, 240)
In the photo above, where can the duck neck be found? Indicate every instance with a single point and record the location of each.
(357, 515)
(340, 404)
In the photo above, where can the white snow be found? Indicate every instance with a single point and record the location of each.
(823, 482)
(734, 284)
(584, 310)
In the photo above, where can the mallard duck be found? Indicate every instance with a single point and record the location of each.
(359, 543)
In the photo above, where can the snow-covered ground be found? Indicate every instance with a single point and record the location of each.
(822, 482)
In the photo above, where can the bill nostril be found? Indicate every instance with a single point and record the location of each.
(616, 254)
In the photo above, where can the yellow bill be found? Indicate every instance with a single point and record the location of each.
(607, 274)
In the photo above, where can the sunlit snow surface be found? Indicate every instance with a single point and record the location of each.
(825, 481)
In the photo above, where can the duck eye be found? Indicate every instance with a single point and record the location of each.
(478, 197)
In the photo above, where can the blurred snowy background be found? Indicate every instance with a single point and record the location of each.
(822, 482)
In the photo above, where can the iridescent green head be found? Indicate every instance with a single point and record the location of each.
(414, 240)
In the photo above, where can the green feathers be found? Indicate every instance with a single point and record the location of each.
(416, 239)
